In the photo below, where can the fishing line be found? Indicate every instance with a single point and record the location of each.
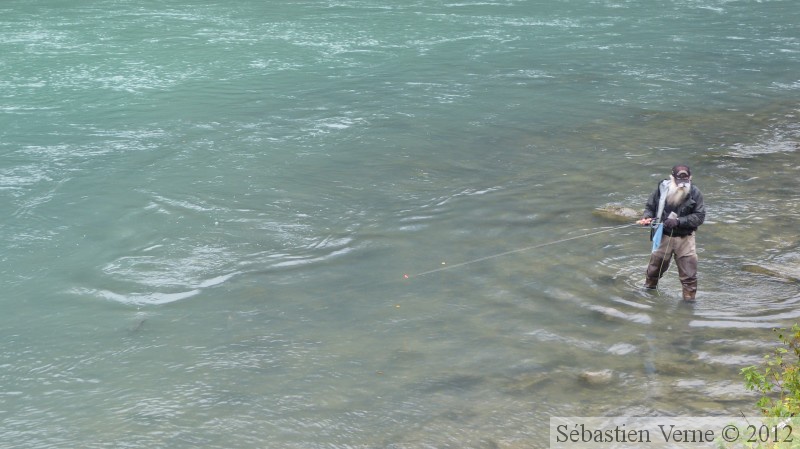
(518, 250)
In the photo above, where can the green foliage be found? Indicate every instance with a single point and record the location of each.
(778, 377)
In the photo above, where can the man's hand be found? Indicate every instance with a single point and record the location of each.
(670, 223)
(644, 221)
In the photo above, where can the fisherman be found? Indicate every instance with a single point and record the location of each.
(678, 205)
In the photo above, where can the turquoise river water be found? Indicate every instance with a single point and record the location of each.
(371, 224)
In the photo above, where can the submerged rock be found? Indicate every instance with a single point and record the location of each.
(530, 382)
(785, 273)
(594, 378)
(617, 213)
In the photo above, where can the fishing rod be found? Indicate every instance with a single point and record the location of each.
(518, 250)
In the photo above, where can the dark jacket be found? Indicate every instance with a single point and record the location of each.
(691, 213)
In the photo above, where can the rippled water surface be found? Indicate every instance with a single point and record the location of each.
(367, 224)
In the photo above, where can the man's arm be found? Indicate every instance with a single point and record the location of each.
(650, 208)
(652, 204)
(696, 218)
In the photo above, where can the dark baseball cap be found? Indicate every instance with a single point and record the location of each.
(681, 172)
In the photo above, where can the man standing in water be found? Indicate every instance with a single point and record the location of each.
(678, 204)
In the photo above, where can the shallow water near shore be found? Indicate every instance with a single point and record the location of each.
(358, 224)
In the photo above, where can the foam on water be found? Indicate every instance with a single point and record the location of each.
(210, 210)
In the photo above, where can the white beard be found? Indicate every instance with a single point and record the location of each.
(676, 195)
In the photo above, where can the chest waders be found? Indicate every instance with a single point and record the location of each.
(656, 233)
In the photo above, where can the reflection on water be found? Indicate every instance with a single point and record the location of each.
(208, 230)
